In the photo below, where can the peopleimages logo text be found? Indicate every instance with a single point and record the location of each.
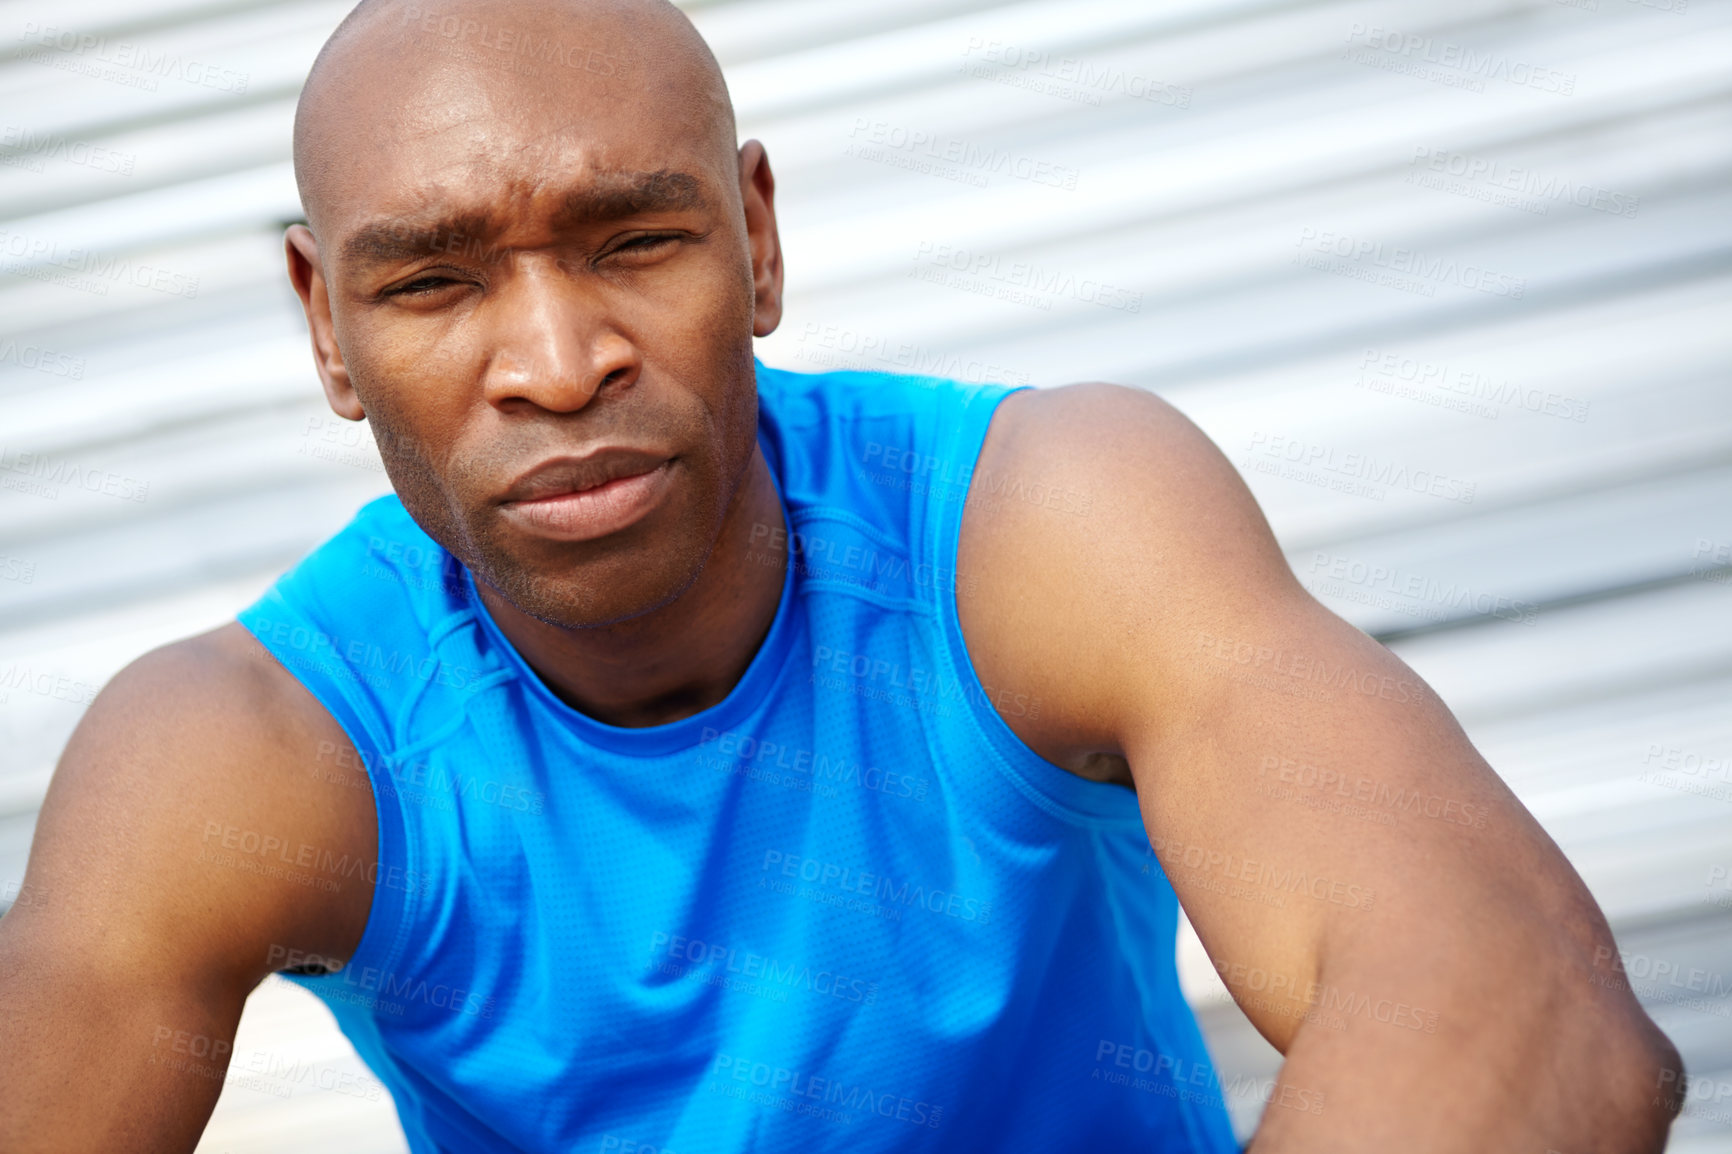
(1465, 60)
(799, 1084)
(877, 887)
(1359, 467)
(360, 655)
(747, 749)
(1043, 283)
(23, 254)
(1518, 181)
(140, 58)
(1445, 270)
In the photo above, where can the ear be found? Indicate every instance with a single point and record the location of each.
(758, 191)
(308, 277)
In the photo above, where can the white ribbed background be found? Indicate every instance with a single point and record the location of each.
(1612, 533)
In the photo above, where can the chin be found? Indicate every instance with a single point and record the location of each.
(612, 591)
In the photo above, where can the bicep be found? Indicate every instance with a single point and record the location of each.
(1321, 816)
(1333, 834)
(95, 1056)
(1310, 799)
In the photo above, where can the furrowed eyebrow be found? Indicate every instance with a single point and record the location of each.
(393, 240)
(611, 196)
(614, 195)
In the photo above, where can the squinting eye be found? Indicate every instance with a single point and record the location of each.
(643, 243)
(422, 285)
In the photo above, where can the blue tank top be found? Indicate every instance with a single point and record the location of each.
(845, 908)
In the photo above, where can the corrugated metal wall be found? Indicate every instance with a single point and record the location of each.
(1449, 282)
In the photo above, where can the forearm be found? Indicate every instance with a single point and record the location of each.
(1521, 1051)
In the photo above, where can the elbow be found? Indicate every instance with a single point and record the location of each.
(1665, 1066)
(1634, 1084)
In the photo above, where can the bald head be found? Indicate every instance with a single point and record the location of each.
(561, 76)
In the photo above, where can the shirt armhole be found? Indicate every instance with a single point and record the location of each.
(275, 624)
(960, 434)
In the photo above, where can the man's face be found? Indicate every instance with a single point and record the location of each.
(542, 288)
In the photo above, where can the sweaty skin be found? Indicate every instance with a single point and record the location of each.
(507, 274)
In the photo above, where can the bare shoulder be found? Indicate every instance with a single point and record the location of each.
(192, 810)
(1143, 530)
(1126, 454)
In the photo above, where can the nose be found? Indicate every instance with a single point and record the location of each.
(553, 343)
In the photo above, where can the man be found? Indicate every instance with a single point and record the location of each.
(699, 757)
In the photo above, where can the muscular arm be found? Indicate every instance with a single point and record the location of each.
(122, 980)
(1438, 972)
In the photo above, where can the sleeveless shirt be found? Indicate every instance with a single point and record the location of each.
(843, 909)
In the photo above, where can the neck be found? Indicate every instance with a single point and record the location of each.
(682, 658)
